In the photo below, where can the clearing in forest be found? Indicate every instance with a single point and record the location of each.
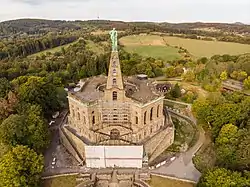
(96, 48)
(198, 48)
(149, 46)
(53, 50)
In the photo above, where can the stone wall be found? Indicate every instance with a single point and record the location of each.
(158, 143)
(164, 143)
(72, 143)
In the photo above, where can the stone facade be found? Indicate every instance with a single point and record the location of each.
(116, 110)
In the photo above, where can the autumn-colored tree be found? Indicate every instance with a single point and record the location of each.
(7, 105)
(246, 83)
(223, 76)
(189, 76)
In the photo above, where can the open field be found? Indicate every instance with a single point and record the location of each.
(69, 181)
(164, 52)
(201, 48)
(90, 45)
(164, 182)
(150, 46)
(52, 50)
(94, 47)
(197, 48)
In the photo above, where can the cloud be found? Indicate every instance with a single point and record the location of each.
(129, 10)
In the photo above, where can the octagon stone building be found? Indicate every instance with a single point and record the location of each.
(117, 111)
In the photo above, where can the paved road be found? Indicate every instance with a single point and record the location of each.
(50, 153)
(182, 166)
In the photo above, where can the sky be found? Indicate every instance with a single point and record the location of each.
(229, 11)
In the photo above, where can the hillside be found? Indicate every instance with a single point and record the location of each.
(35, 26)
(40, 26)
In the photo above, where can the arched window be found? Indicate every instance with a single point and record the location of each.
(78, 116)
(93, 120)
(114, 72)
(136, 120)
(151, 114)
(114, 81)
(114, 64)
(114, 96)
(84, 120)
(158, 108)
(145, 117)
(114, 134)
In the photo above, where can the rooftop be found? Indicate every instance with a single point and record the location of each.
(140, 90)
(89, 91)
(145, 90)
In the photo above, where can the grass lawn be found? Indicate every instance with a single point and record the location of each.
(52, 50)
(197, 48)
(94, 47)
(69, 181)
(164, 182)
(201, 48)
(164, 52)
(150, 46)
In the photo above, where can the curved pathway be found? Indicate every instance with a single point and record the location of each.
(183, 167)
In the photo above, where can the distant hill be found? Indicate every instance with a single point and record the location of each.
(239, 23)
(41, 26)
(35, 26)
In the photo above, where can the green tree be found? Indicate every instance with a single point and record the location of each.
(223, 178)
(170, 72)
(243, 152)
(21, 167)
(242, 75)
(202, 110)
(223, 76)
(13, 130)
(3, 149)
(4, 87)
(189, 76)
(226, 144)
(28, 128)
(38, 91)
(176, 91)
(37, 136)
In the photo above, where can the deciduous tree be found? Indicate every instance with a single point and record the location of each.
(21, 167)
(222, 177)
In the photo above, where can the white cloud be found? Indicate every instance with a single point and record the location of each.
(129, 10)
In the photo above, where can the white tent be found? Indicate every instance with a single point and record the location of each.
(114, 156)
